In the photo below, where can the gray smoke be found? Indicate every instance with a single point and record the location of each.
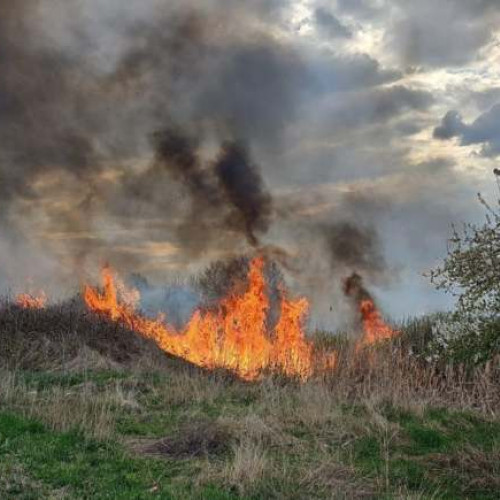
(174, 130)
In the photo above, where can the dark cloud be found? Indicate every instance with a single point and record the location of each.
(442, 32)
(484, 130)
(452, 125)
(376, 106)
(329, 25)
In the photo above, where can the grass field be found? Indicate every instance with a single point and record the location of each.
(89, 410)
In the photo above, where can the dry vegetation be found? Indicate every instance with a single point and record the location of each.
(384, 425)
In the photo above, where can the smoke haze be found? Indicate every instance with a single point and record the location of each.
(160, 136)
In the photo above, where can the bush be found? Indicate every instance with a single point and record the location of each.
(471, 273)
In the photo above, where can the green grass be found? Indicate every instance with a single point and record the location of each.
(81, 468)
(436, 450)
(307, 444)
(44, 380)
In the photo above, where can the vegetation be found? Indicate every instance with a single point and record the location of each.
(89, 410)
(471, 272)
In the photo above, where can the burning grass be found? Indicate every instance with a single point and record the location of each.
(32, 301)
(84, 401)
(236, 335)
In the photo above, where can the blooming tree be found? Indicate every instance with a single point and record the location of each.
(471, 270)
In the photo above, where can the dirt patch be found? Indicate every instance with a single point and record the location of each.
(193, 440)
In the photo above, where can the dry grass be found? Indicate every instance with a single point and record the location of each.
(84, 406)
(273, 439)
(248, 465)
(57, 337)
(67, 338)
(389, 374)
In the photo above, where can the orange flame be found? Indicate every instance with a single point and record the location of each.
(374, 327)
(235, 336)
(31, 301)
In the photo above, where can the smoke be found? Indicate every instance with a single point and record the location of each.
(76, 130)
(354, 288)
(167, 148)
(354, 247)
(230, 189)
(39, 100)
(177, 301)
(244, 189)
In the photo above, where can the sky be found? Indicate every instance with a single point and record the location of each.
(366, 128)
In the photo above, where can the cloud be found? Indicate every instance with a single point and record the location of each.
(487, 98)
(441, 32)
(372, 107)
(484, 130)
(329, 25)
(338, 72)
(452, 125)
(87, 86)
(363, 8)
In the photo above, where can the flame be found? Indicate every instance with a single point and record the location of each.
(32, 301)
(235, 336)
(374, 327)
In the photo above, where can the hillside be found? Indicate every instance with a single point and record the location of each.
(90, 410)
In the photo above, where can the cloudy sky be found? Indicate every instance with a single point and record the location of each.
(378, 115)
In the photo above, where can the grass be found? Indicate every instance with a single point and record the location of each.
(141, 425)
(186, 434)
(68, 465)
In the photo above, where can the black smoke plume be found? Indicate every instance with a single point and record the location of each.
(244, 189)
(355, 289)
(226, 193)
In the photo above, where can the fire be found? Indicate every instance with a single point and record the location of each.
(374, 327)
(235, 336)
(32, 301)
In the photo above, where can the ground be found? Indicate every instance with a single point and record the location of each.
(101, 425)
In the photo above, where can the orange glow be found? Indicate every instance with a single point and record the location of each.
(374, 327)
(235, 336)
(31, 301)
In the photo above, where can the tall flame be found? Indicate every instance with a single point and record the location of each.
(374, 327)
(235, 336)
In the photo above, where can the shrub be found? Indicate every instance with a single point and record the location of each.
(471, 273)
